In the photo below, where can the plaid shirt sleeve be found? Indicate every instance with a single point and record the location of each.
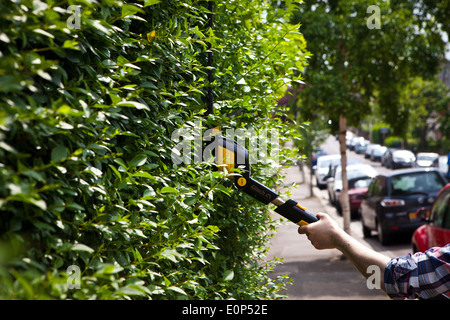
(422, 275)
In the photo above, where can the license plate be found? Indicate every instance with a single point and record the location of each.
(413, 215)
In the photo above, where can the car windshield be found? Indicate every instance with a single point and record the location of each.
(419, 182)
(357, 172)
(426, 157)
(379, 151)
(325, 163)
(403, 154)
(359, 183)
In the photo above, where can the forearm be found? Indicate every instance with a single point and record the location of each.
(326, 234)
(361, 256)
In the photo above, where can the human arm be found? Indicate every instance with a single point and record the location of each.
(326, 234)
(422, 275)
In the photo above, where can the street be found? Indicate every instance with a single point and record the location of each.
(324, 274)
(402, 244)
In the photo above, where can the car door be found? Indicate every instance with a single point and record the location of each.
(438, 231)
(368, 207)
(330, 187)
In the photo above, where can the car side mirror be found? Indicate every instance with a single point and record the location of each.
(423, 214)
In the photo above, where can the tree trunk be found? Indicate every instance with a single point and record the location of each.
(345, 204)
(310, 178)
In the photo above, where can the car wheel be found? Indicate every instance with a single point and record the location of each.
(338, 207)
(383, 236)
(367, 233)
(330, 198)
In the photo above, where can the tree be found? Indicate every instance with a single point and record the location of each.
(312, 134)
(425, 98)
(360, 54)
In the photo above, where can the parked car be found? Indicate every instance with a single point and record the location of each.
(393, 199)
(443, 166)
(377, 153)
(369, 149)
(357, 189)
(355, 142)
(400, 159)
(361, 147)
(316, 156)
(325, 165)
(358, 176)
(436, 231)
(348, 138)
(427, 159)
(387, 154)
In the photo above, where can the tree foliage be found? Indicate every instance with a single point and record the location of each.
(352, 65)
(425, 98)
(86, 176)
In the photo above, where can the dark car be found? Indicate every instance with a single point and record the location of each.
(436, 232)
(400, 159)
(377, 153)
(387, 154)
(393, 199)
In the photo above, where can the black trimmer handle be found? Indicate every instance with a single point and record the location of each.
(255, 189)
(294, 212)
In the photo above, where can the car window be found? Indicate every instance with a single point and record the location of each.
(372, 187)
(419, 182)
(356, 172)
(446, 222)
(441, 211)
(403, 153)
(325, 163)
(359, 183)
(380, 188)
(377, 187)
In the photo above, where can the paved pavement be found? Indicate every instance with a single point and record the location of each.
(317, 274)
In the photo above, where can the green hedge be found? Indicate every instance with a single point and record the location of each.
(91, 204)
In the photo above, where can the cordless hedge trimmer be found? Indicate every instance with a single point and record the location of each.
(232, 155)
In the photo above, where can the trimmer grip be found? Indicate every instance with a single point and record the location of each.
(293, 211)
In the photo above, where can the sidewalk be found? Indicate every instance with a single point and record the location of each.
(317, 274)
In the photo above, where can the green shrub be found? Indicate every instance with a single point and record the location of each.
(91, 204)
(377, 136)
(393, 142)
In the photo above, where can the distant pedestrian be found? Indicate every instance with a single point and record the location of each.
(422, 275)
(448, 165)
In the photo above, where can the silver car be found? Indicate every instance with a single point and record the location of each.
(427, 159)
(325, 167)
